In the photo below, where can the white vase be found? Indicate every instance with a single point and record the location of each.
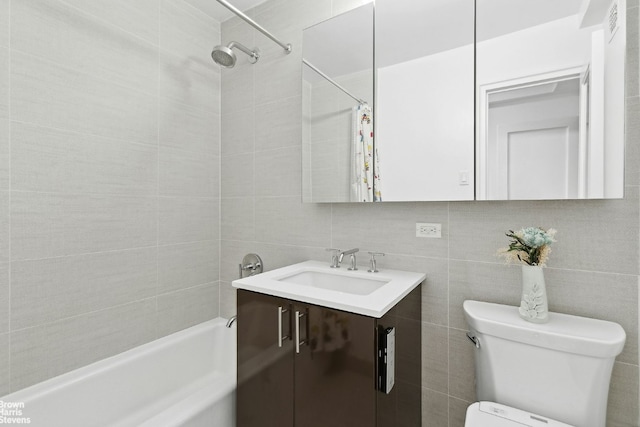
(533, 303)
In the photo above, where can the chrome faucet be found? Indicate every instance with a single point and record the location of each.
(352, 263)
(231, 320)
(373, 266)
(338, 255)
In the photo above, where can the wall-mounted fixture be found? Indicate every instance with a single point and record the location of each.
(224, 56)
(251, 265)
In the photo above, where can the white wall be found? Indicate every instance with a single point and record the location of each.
(536, 50)
(426, 138)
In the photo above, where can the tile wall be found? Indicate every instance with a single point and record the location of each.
(594, 269)
(109, 179)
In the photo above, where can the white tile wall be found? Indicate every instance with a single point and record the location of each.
(5, 225)
(53, 224)
(5, 350)
(51, 289)
(109, 179)
(185, 265)
(58, 161)
(54, 95)
(51, 349)
(5, 22)
(71, 37)
(187, 307)
(140, 18)
(5, 307)
(187, 219)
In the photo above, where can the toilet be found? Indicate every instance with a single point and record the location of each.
(554, 374)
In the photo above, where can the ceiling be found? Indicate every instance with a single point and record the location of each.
(409, 29)
(340, 45)
(219, 12)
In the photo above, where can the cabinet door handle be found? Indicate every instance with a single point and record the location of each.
(281, 337)
(298, 341)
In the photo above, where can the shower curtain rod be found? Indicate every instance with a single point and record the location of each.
(254, 24)
(333, 82)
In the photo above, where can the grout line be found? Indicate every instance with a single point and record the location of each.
(79, 133)
(546, 268)
(137, 248)
(254, 133)
(331, 244)
(152, 195)
(219, 153)
(626, 363)
(10, 272)
(190, 287)
(111, 24)
(156, 326)
(107, 81)
(199, 13)
(448, 312)
(75, 316)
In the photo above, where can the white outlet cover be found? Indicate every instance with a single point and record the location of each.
(429, 230)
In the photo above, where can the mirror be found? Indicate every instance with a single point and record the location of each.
(484, 99)
(337, 99)
(424, 99)
(550, 99)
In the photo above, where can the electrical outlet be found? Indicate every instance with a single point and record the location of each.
(424, 229)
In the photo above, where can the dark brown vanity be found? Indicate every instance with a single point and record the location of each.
(306, 365)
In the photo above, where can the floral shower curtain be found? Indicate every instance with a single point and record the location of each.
(365, 185)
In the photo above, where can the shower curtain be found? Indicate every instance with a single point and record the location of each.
(365, 184)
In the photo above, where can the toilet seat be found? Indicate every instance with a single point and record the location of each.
(490, 414)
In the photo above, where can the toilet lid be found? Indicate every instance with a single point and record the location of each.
(490, 414)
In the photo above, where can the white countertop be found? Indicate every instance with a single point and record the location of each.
(376, 304)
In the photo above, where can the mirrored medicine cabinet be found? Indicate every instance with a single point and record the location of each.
(485, 100)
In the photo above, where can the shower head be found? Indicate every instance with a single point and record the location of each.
(225, 57)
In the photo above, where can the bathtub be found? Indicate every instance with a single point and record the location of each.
(184, 379)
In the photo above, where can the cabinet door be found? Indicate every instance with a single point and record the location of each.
(265, 363)
(334, 368)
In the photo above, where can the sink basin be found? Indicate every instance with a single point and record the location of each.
(335, 282)
(359, 292)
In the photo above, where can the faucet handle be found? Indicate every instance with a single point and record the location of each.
(354, 265)
(335, 263)
(372, 262)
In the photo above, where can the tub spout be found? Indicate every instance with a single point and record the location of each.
(231, 320)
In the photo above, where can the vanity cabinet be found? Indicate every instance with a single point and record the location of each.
(305, 365)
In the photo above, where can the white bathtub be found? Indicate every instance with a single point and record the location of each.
(185, 379)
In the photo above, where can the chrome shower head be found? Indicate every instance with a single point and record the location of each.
(225, 57)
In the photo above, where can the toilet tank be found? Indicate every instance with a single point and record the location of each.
(560, 369)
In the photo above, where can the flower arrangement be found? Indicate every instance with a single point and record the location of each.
(530, 245)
